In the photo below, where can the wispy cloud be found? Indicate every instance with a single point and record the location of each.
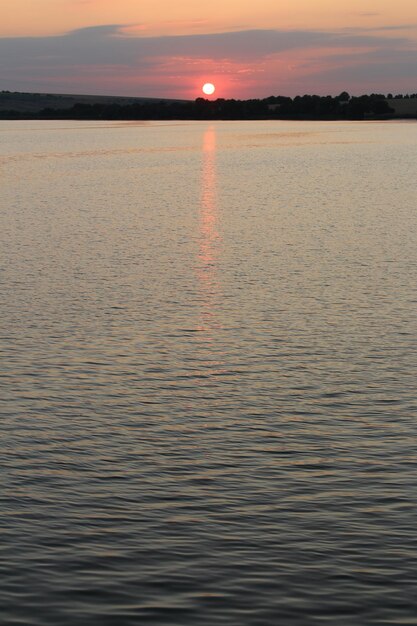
(116, 58)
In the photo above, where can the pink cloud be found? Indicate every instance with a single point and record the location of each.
(109, 59)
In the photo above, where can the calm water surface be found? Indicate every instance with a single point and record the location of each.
(208, 373)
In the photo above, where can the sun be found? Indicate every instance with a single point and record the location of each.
(209, 89)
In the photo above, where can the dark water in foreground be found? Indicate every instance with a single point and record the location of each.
(208, 372)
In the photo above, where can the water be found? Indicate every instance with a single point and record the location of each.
(208, 366)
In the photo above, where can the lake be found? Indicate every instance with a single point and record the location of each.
(208, 371)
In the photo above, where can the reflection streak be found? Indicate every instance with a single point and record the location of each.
(209, 240)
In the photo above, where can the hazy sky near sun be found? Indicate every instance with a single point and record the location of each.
(248, 49)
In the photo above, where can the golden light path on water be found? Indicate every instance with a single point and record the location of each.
(209, 238)
(209, 265)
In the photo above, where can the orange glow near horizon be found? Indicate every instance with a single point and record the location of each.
(323, 48)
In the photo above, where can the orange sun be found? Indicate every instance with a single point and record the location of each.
(209, 89)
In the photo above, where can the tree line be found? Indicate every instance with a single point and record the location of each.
(311, 107)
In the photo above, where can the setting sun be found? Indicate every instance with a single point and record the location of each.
(209, 89)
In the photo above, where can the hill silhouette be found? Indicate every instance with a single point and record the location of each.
(14, 105)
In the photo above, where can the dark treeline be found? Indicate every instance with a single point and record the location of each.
(311, 107)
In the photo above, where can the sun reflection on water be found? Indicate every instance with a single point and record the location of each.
(209, 241)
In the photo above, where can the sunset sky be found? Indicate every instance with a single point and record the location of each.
(247, 49)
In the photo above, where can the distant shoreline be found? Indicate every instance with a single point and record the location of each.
(37, 106)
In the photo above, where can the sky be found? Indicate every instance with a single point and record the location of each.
(170, 49)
